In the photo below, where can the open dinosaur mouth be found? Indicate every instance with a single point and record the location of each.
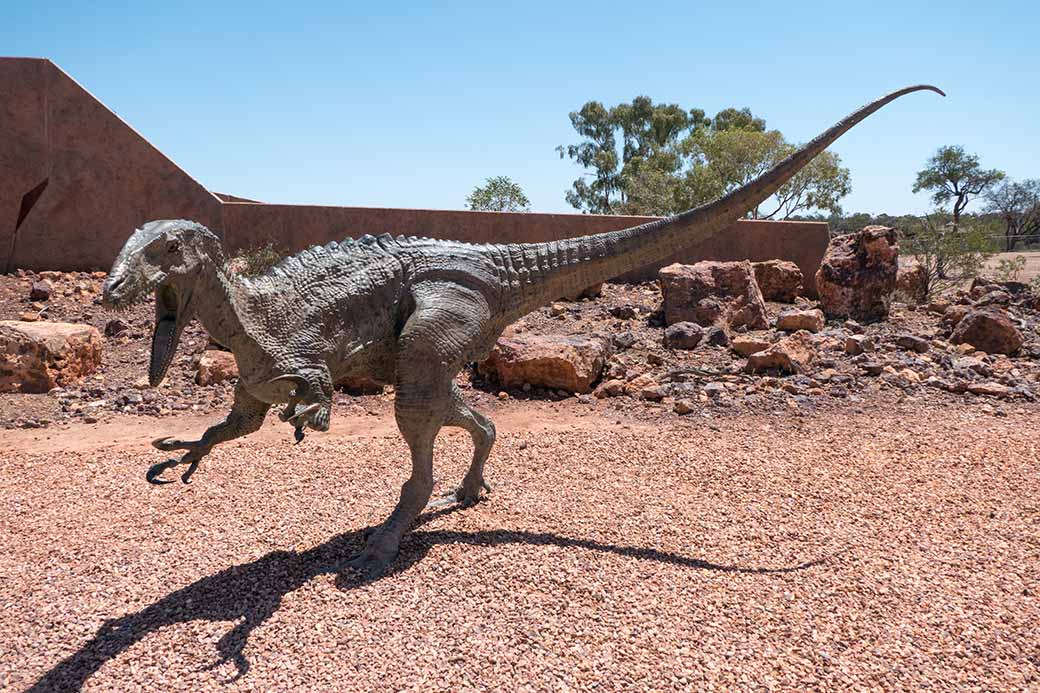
(168, 328)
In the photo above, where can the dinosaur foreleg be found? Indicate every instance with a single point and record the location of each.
(310, 404)
(246, 416)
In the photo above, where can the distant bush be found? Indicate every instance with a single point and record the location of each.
(1008, 269)
(949, 254)
(258, 258)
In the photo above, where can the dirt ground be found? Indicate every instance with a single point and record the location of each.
(834, 530)
(891, 545)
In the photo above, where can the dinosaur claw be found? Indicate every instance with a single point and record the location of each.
(309, 409)
(152, 476)
(161, 443)
(186, 476)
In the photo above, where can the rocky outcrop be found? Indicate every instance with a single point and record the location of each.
(39, 356)
(215, 367)
(858, 274)
(779, 280)
(570, 363)
(988, 330)
(792, 354)
(796, 319)
(713, 293)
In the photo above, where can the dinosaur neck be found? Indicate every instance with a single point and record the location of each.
(218, 295)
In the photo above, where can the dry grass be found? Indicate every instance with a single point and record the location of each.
(880, 548)
(1028, 274)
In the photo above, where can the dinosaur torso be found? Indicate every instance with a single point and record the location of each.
(344, 304)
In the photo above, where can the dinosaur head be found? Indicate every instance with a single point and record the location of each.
(166, 257)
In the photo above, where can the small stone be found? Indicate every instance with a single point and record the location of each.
(115, 327)
(683, 335)
(716, 336)
(625, 312)
(989, 330)
(609, 388)
(625, 339)
(683, 406)
(747, 344)
(872, 367)
(912, 343)
(989, 388)
(794, 320)
(41, 290)
(792, 354)
(857, 344)
(215, 367)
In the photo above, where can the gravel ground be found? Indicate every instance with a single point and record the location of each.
(879, 548)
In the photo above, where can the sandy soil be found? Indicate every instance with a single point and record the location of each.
(888, 546)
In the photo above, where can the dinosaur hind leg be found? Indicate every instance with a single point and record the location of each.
(482, 430)
(430, 350)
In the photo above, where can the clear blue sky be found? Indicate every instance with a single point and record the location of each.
(412, 104)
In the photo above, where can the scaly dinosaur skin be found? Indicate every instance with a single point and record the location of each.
(407, 311)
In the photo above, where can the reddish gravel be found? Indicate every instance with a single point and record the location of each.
(884, 547)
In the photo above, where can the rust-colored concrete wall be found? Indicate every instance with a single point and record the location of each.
(102, 178)
(76, 180)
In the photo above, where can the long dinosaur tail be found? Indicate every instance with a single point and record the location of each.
(563, 267)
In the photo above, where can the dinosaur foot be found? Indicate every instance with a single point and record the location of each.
(466, 498)
(371, 565)
(154, 472)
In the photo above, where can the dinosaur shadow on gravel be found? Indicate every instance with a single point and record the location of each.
(252, 592)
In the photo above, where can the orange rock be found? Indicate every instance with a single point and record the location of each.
(713, 293)
(989, 330)
(562, 363)
(779, 280)
(792, 354)
(858, 274)
(36, 357)
(215, 367)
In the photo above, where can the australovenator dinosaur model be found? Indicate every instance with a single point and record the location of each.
(407, 311)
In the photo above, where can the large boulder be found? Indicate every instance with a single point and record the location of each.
(989, 330)
(792, 354)
(713, 293)
(39, 356)
(779, 280)
(858, 274)
(570, 363)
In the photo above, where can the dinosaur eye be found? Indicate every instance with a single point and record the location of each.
(173, 246)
